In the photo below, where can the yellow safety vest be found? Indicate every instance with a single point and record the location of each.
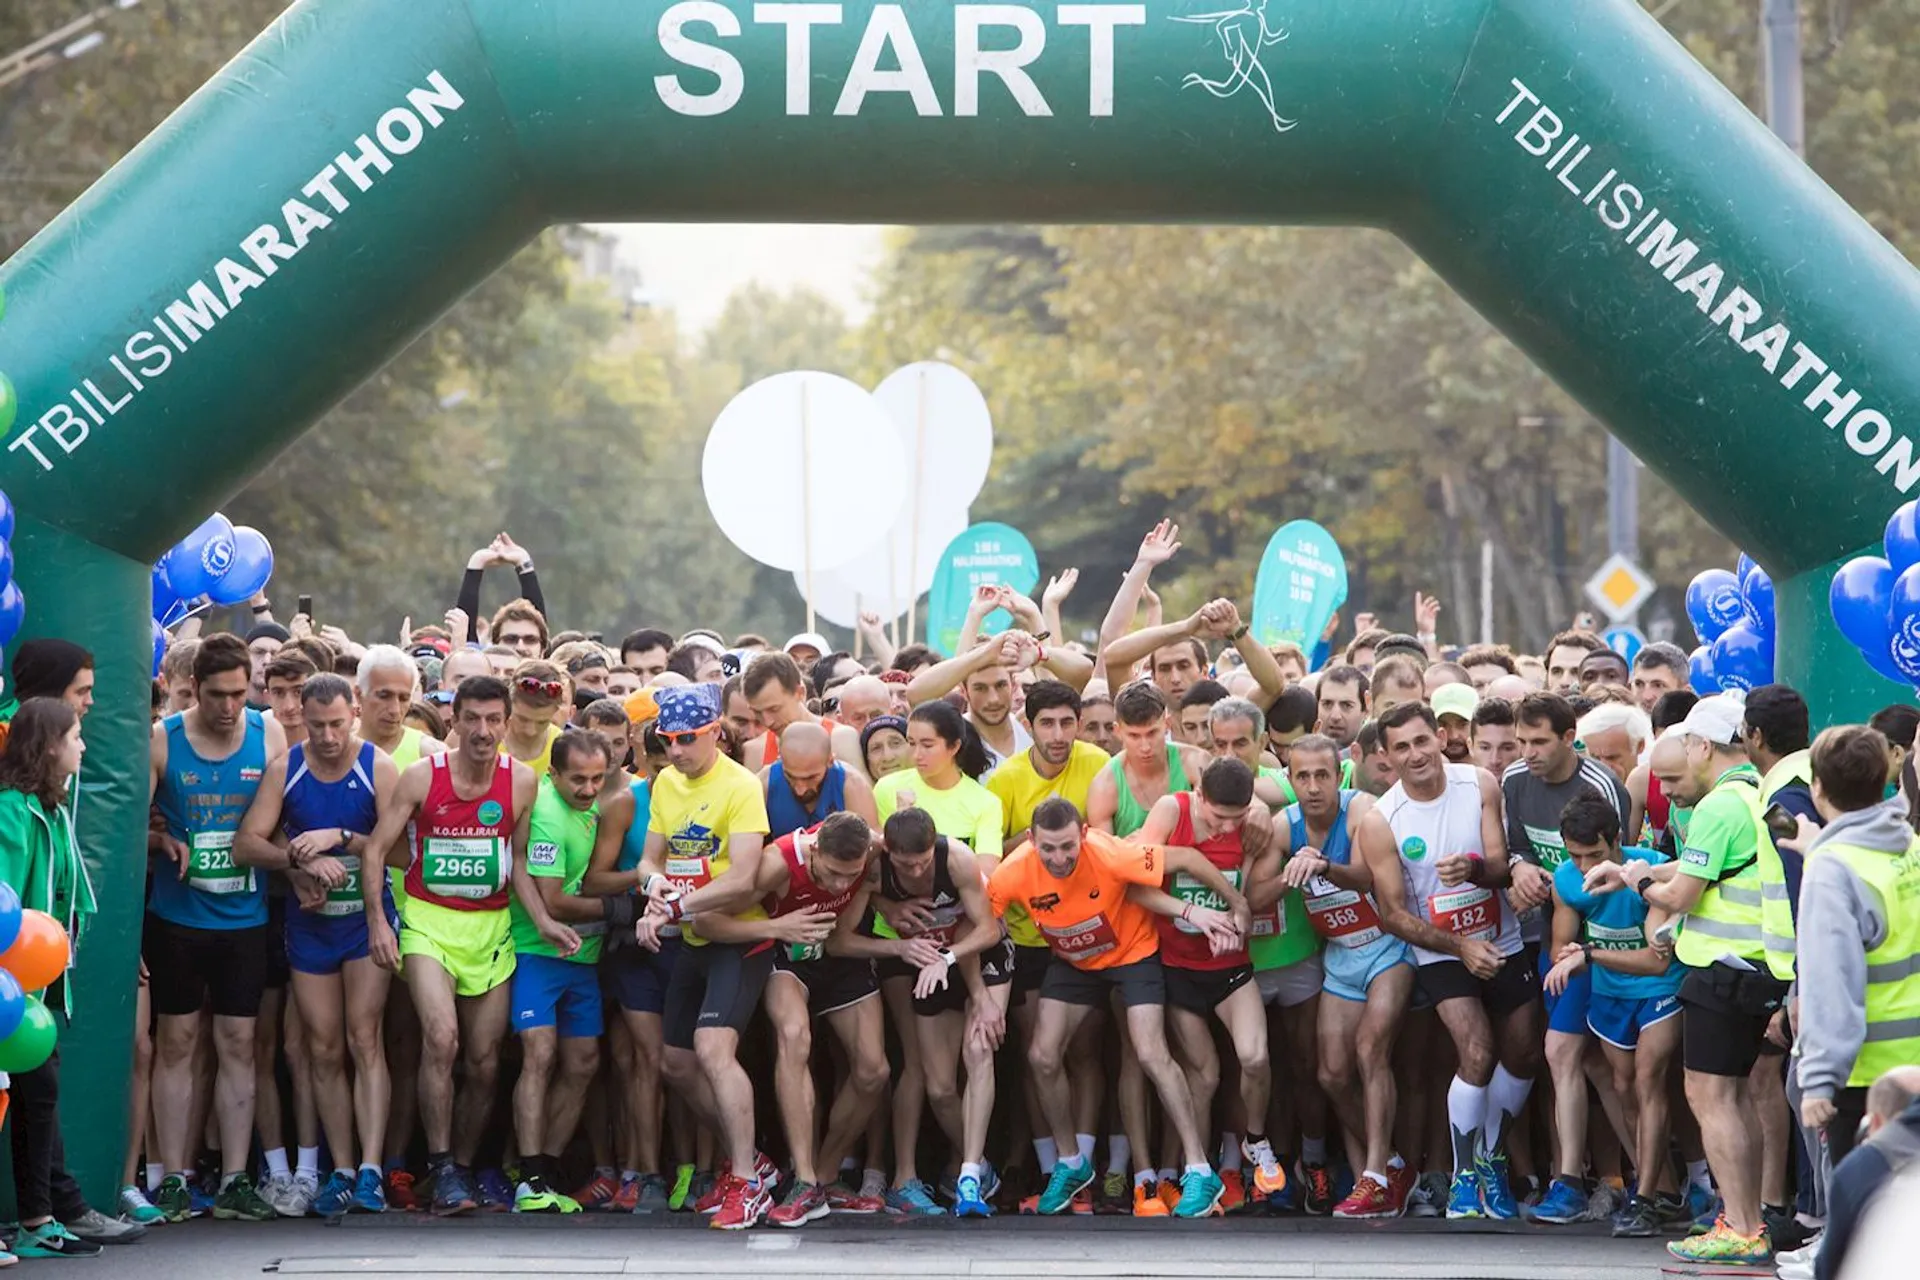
(1726, 919)
(1893, 967)
(1776, 901)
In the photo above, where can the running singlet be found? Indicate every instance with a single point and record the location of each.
(460, 847)
(1182, 945)
(1616, 921)
(308, 804)
(1428, 830)
(203, 802)
(405, 754)
(785, 813)
(804, 895)
(1129, 815)
(697, 817)
(770, 745)
(1088, 919)
(945, 908)
(1344, 917)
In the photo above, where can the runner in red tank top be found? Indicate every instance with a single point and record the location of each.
(1234, 832)
(808, 890)
(460, 856)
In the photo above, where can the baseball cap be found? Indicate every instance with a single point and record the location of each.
(1455, 700)
(1717, 718)
(641, 706)
(1402, 644)
(687, 708)
(812, 639)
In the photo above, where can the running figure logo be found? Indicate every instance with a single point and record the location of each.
(1244, 36)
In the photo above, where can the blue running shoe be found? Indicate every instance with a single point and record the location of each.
(912, 1199)
(1705, 1209)
(1067, 1182)
(968, 1201)
(1463, 1197)
(496, 1194)
(200, 1198)
(1564, 1203)
(989, 1181)
(452, 1190)
(1200, 1195)
(369, 1192)
(1495, 1195)
(336, 1196)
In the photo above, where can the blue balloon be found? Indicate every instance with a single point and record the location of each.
(1743, 658)
(1903, 537)
(1861, 599)
(13, 1004)
(202, 558)
(6, 517)
(1745, 563)
(1700, 671)
(1756, 593)
(252, 566)
(6, 562)
(9, 918)
(1713, 603)
(159, 645)
(1903, 632)
(164, 596)
(13, 611)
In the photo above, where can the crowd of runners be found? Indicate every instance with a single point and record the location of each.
(501, 917)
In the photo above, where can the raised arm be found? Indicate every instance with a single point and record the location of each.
(1155, 549)
(943, 678)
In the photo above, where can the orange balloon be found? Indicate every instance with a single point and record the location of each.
(40, 954)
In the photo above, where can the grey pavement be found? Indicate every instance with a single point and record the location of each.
(879, 1248)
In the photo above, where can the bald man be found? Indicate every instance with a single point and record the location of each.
(1511, 688)
(861, 699)
(806, 784)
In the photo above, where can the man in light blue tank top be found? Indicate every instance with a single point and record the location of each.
(316, 807)
(206, 931)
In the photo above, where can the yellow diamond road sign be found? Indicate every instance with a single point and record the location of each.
(1619, 587)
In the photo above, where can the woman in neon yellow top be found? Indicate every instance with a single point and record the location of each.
(948, 759)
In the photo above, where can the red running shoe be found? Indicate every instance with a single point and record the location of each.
(599, 1193)
(1369, 1200)
(743, 1205)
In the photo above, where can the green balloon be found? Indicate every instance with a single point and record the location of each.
(9, 404)
(32, 1044)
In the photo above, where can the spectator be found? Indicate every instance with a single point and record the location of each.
(1892, 1149)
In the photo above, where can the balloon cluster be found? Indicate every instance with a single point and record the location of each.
(218, 563)
(1876, 601)
(13, 605)
(1732, 614)
(33, 953)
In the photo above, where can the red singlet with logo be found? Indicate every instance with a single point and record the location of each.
(802, 893)
(462, 848)
(1182, 945)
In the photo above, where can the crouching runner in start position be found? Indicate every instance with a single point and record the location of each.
(1094, 897)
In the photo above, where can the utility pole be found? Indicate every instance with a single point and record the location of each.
(1781, 71)
(1623, 501)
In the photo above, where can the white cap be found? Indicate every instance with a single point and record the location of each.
(1718, 719)
(812, 639)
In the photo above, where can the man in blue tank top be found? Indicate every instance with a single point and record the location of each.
(316, 808)
(806, 784)
(205, 941)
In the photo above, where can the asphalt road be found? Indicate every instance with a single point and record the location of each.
(879, 1248)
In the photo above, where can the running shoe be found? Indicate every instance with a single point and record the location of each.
(1111, 1197)
(682, 1188)
(1430, 1193)
(1368, 1199)
(202, 1198)
(1463, 1197)
(299, 1201)
(400, 1192)
(369, 1192)
(1495, 1195)
(913, 1199)
(1067, 1182)
(709, 1199)
(599, 1193)
(336, 1196)
(1703, 1219)
(96, 1227)
(52, 1239)
(174, 1199)
(744, 1205)
(1784, 1229)
(452, 1191)
(1722, 1244)
(1605, 1201)
(1169, 1190)
(842, 1198)
(968, 1199)
(1638, 1220)
(1673, 1210)
(806, 1202)
(1233, 1192)
(277, 1190)
(240, 1201)
(1201, 1194)
(626, 1197)
(1083, 1203)
(137, 1209)
(1316, 1182)
(1400, 1186)
(1563, 1204)
(654, 1196)
(496, 1193)
(533, 1195)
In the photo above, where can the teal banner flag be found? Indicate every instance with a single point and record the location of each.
(1302, 580)
(983, 556)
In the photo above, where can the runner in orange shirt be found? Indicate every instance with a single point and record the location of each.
(1095, 898)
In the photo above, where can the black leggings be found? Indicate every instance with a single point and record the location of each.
(42, 1185)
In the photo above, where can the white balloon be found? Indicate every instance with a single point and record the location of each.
(752, 471)
(882, 574)
(833, 599)
(938, 404)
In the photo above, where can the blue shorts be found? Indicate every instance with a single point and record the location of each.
(1567, 1012)
(636, 978)
(322, 945)
(1350, 971)
(550, 992)
(1619, 1020)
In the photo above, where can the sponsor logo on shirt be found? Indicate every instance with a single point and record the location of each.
(543, 853)
(489, 813)
(1413, 849)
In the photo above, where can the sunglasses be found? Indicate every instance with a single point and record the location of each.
(685, 739)
(441, 696)
(551, 689)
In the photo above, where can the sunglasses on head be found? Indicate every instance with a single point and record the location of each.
(540, 688)
(441, 696)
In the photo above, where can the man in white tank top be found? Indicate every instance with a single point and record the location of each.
(1448, 903)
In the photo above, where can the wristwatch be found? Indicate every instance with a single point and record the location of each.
(946, 953)
(1643, 884)
(1238, 631)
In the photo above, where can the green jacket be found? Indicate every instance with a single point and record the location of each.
(41, 862)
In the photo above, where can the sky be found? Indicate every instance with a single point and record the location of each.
(694, 268)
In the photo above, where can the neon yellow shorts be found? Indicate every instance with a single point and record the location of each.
(474, 947)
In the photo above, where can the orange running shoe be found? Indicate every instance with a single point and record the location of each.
(1169, 1192)
(1148, 1204)
(1235, 1194)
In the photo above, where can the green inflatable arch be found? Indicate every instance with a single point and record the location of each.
(1568, 167)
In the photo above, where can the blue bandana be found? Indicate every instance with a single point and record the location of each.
(685, 708)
